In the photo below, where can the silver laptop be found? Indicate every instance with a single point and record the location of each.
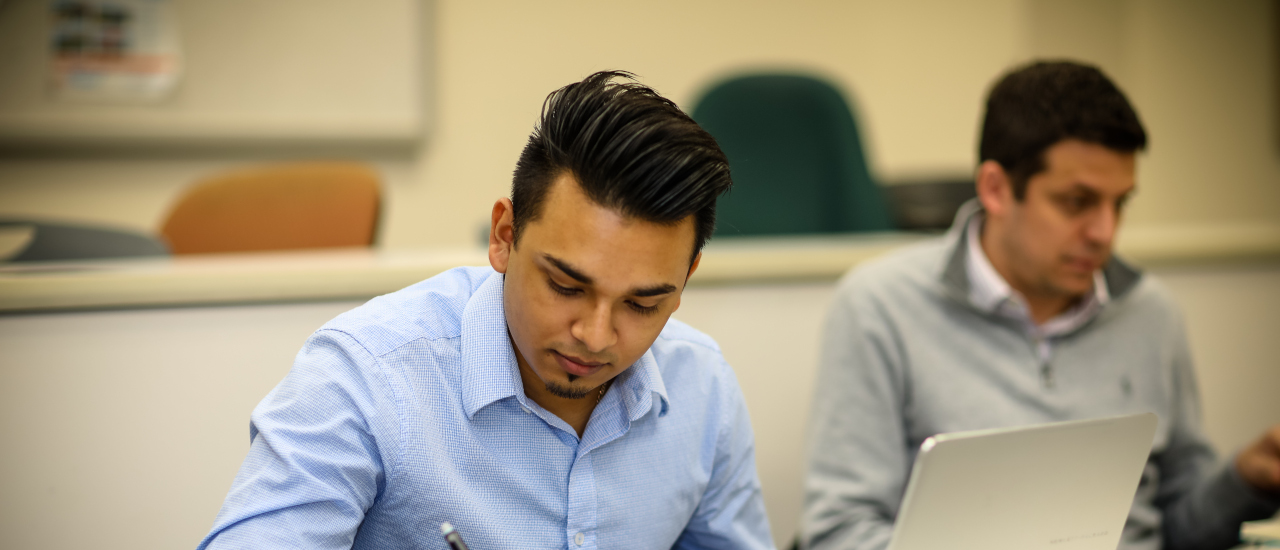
(1060, 486)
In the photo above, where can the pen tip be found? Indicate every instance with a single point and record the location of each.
(445, 528)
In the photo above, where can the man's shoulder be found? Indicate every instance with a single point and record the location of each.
(679, 333)
(911, 270)
(683, 351)
(431, 309)
(1148, 299)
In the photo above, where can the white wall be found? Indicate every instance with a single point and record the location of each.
(1200, 72)
(124, 429)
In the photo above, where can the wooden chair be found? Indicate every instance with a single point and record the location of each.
(291, 206)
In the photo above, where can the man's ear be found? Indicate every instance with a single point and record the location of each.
(693, 267)
(995, 189)
(502, 236)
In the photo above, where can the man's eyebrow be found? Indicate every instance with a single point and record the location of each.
(1092, 192)
(653, 291)
(645, 292)
(1081, 186)
(577, 276)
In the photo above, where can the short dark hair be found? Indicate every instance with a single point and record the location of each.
(1038, 105)
(629, 148)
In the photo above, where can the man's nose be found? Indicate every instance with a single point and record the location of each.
(1101, 228)
(595, 328)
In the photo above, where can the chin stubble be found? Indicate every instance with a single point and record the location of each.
(568, 392)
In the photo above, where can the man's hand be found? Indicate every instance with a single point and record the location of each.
(1259, 464)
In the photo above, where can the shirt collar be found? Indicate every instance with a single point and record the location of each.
(987, 289)
(989, 292)
(639, 384)
(491, 372)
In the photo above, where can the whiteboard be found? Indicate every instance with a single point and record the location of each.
(284, 71)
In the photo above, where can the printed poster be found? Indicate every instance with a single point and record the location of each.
(114, 50)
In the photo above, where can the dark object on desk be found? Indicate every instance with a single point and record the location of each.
(50, 242)
(928, 205)
(291, 206)
(795, 155)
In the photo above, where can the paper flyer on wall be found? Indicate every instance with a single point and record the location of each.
(113, 50)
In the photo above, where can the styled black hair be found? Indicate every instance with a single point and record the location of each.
(629, 148)
(1038, 105)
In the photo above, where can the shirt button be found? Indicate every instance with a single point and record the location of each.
(578, 538)
(526, 410)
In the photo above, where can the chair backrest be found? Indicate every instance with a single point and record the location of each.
(306, 205)
(795, 156)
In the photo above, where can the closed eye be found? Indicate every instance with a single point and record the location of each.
(1122, 202)
(563, 290)
(1076, 203)
(643, 309)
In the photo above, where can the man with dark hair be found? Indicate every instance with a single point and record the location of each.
(1021, 315)
(547, 402)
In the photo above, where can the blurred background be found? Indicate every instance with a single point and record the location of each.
(441, 95)
(124, 424)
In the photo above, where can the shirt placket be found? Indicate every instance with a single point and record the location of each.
(1044, 353)
(580, 529)
(583, 510)
(581, 507)
(1041, 340)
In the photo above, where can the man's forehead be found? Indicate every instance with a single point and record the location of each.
(568, 215)
(1073, 164)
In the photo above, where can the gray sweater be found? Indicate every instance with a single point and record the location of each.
(906, 355)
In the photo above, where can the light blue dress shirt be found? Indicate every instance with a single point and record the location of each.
(409, 411)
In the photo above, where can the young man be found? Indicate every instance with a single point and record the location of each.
(1020, 315)
(548, 402)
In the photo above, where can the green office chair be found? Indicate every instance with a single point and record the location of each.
(795, 156)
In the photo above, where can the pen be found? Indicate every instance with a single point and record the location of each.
(452, 537)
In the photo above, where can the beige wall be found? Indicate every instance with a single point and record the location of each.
(1203, 77)
(1200, 73)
